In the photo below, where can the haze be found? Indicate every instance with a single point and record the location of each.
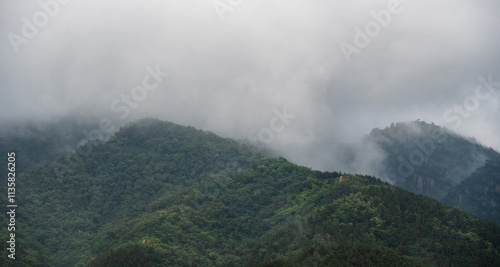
(234, 65)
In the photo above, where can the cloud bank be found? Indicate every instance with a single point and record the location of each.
(233, 64)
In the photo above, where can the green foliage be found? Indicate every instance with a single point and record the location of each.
(276, 263)
(36, 143)
(430, 160)
(159, 194)
(131, 255)
(479, 194)
(355, 254)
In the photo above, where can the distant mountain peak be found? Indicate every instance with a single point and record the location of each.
(409, 129)
(418, 151)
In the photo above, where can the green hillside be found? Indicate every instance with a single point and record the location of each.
(427, 159)
(433, 161)
(160, 194)
(480, 193)
(40, 142)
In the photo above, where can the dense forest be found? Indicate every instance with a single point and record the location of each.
(161, 194)
(41, 142)
(480, 193)
(431, 160)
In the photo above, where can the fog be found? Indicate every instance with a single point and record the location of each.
(303, 77)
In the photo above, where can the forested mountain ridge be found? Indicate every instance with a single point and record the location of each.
(428, 159)
(160, 194)
(114, 181)
(40, 142)
(479, 193)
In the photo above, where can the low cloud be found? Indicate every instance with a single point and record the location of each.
(229, 75)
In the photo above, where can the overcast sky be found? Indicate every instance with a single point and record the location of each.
(340, 68)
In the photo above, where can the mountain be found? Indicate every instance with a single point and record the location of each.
(40, 142)
(431, 160)
(479, 194)
(428, 159)
(105, 183)
(161, 194)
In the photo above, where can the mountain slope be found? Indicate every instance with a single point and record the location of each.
(286, 212)
(160, 194)
(106, 184)
(428, 159)
(280, 211)
(40, 142)
(479, 193)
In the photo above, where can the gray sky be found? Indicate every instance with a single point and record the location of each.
(234, 64)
